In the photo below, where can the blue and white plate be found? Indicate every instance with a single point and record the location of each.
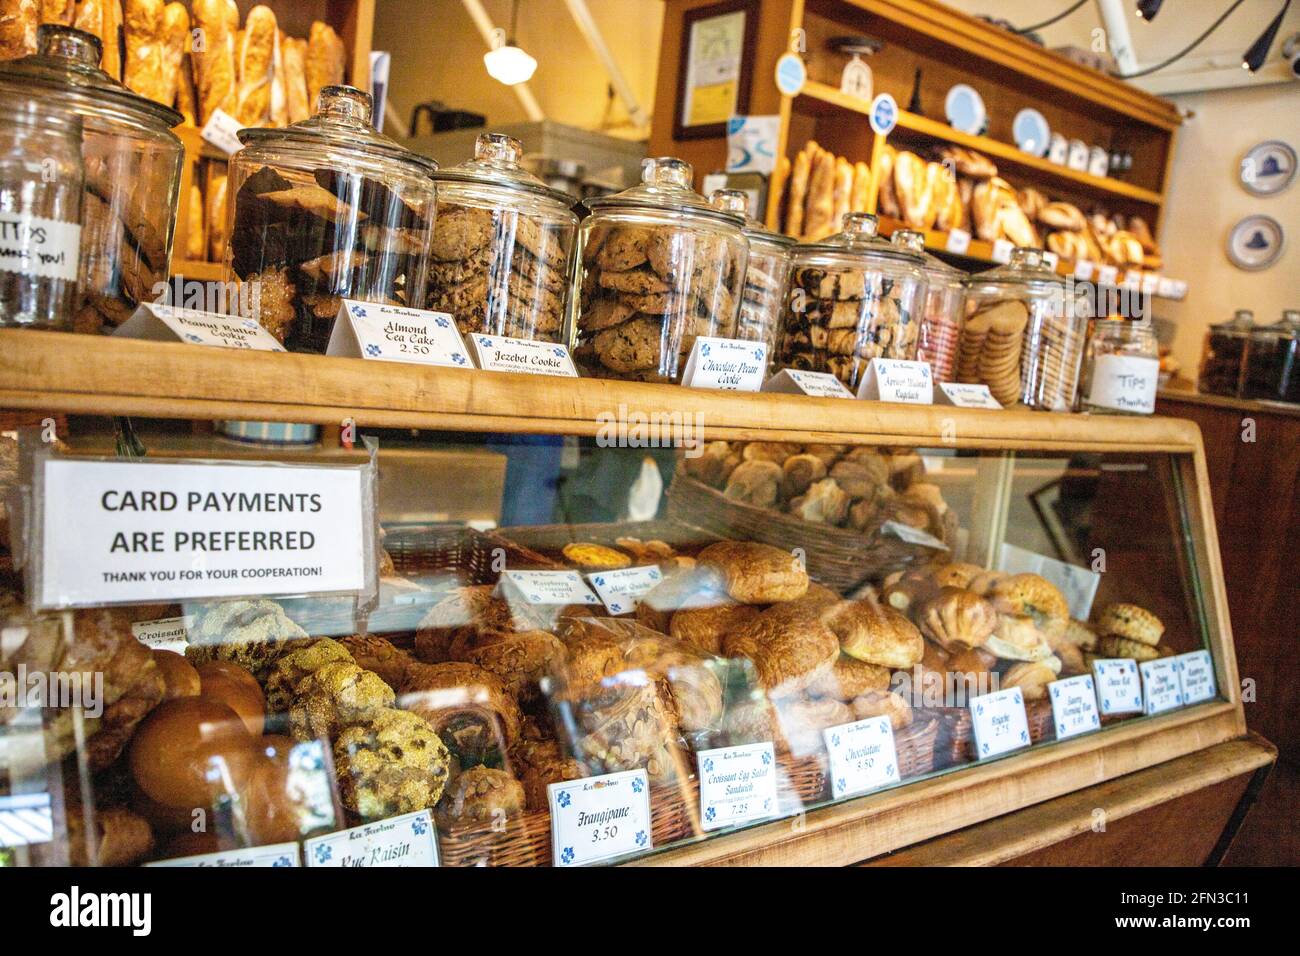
(965, 110)
(1031, 132)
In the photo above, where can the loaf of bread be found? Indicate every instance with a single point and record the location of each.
(62, 12)
(214, 65)
(279, 95)
(176, 40)
(799, 177)
(216, 212)
(18, 22)
(293, 54)
(195, 242)
(326, 59)
(861, 187)
(256, 67)
(144, 49)
(819, 221)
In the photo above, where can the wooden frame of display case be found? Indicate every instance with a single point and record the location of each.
(55, 373)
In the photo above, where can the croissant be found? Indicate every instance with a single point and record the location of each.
(956, 619)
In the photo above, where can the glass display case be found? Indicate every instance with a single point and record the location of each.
(495, 619)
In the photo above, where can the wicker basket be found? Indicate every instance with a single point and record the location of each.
(839, 558)
(956, 742)
(464, 556)
(550, 539)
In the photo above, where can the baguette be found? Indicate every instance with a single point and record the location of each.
(776, 189)
(145, 39)
(196, 244)
(256, 65)
(886, 196)
(176, 40)
(820, 218)
(62, 12)
(18, 22)
(112, 37)
(325, 61)
(293, 53)
(861, 194)
(216, 212)
(843, 191)
(279, 96)
(214, 63)
(799, 177)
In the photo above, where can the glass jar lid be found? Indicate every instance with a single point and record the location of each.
(1241, 323)
(935, 268)
(737, 201)
(1286, 327)
(497, 163)
(665, 186)
(1026, 267)
(858, 236)
(342, 121)
(66, 61)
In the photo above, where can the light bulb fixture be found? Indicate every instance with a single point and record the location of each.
(507, 63)
(1147, 9)
(1254, 57)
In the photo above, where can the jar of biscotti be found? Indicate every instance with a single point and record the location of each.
(657, 268)
(945, 308)
(1121, 370)
(502, 241)
(1223, 356)
(853, 297)
(323, 210)
(765, 275)
(1024, 333)
(132, 173)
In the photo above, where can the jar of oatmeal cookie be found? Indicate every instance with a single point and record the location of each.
(945, 308)
(765, 274)
(324, 210)
(1024, 333)
(658, 267)
(853, 297)
(502, 240)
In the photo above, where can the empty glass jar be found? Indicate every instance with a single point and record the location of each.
(766, 274)
(945, 308)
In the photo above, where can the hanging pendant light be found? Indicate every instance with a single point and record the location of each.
(1254, 57)
(1147, 9)
(507, 63)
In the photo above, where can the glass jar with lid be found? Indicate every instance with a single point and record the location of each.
(323, 210)
(1121, 369)
(502, 241)
(41, 179)
(658, 267)
(1024, 334)
(1223, 355)
(1273, 361)
(763, 294)
(853, 297)
(132, 162)
(945, 308)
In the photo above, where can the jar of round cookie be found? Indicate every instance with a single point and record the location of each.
(323, 210)
(502, 241)
(945, 308)
(132, 172)
(658, 267)
(765, 275)
(1121, 370)
(1024, 334)
(853, 297)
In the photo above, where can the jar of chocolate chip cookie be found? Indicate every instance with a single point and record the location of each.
(658, 268)
(853, 297)
(324, 210)
(1024, 334)
(765, 275)
(502, 241)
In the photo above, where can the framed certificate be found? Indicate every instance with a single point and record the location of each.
(715, 65)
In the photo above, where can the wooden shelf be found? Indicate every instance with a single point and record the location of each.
(1004, 153)
(94, 375)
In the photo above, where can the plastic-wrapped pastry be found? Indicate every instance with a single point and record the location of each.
(468, 707)
(519, 658)
(755, 573)
(252, 634)
(695, 689)
(802, 722)
(704, 628)
(850, 678)
(480, 795)
(628, 726)
(391, 763)
(790, 644)
(539, 764)
(883, 703)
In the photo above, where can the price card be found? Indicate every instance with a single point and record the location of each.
(1196, 670)
(26, 819)
(1161, 685)
(1150, 283)
(1179, 290)
(905, 532)
(898, 380)
(597, 818)
(862, 756)
(1050, 259)
(222, 131)
(1107, 275)
(1083, 269)
(736, 365)
(165, 323)
(1119, 688)
(958, 241)
(620, 590)
(1079, 585)
(1074, 706)
(390, 333)
(737, 784)
(274, 854)
(552, 588)
(1166, 287)
(999, 722)
(962, 395)
(791, 381)
(164, 634)
(496, 353)
(404, 841)
(1002, 250)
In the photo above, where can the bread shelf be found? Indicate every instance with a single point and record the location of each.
(920, 126)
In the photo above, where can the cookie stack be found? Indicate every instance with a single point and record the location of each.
(990, 349)
(1054, 354)
(1128, 630)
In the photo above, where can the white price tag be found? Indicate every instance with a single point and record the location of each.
(1150, 283)
(905, 532)
(151, 531)
(1166, 287)
(26, 819)
(1125, 382)
(274, 854)
(1107, 275)
(222, 131)
(548, 588)
(38, 247)
(862, 756)
(1002, 250)
(962, 395)
(496, 353)
(897, 380)
(165, 323)
(1074, 706)
(737, 784)
(1083, 269)
(404, 841)
(999, 722)
(1079, 585)
(1050, 259)
(791, 381)
(736, 365)
(597, 818)
(389, 333)
(1119, 688)
(1161, 686)
(1196, 670)
(958, 241)
(1179, 290)
(620, 590)
(164, 634)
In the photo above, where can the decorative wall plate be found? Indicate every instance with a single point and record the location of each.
(1268, 168)
(1255, 243)
(965, 110)
(1031, 132)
